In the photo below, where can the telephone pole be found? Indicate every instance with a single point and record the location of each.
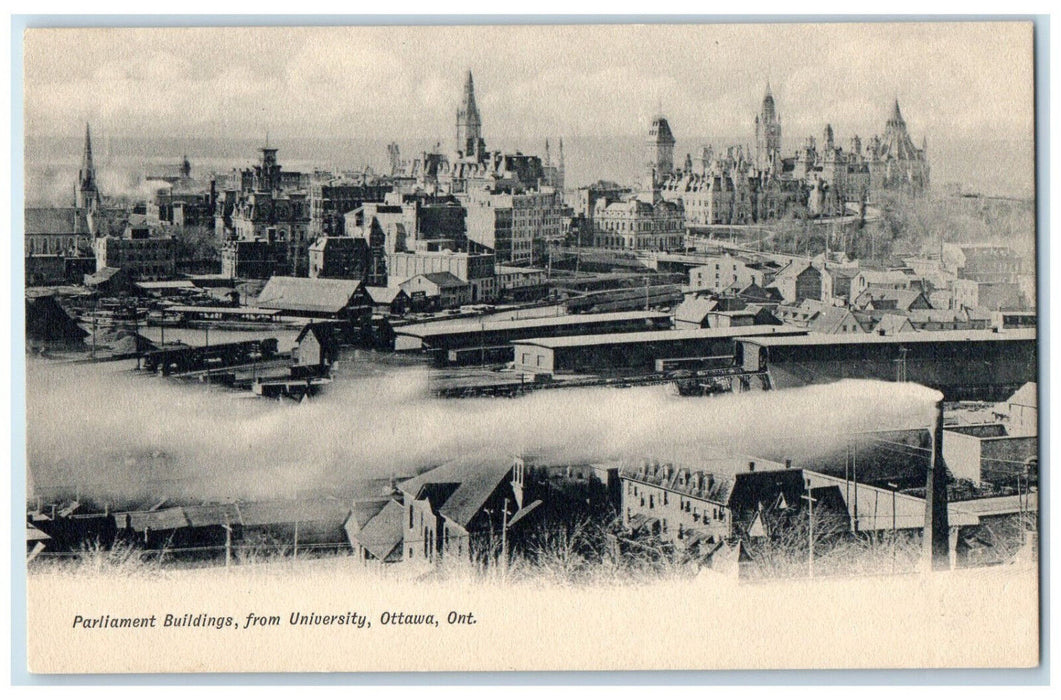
(810, 528)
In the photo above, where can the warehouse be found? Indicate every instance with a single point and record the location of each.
(964, 365)
(476, 333)
(635, 351)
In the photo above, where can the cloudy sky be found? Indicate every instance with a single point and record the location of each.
(965, 80)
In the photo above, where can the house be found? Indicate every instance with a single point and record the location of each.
(316, 298)
(750, 315)
(877, 299)
(389, 300)
(785, 282)
(755, 294)
(813, 283)
(835, 319)
(842, 277)
(692, 312)
(723, 272)
(316, 349)
(885, 323)
(458, 509)
(374, 528)
(340, 257)
(436, 290)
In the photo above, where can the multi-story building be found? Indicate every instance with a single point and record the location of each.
(475, 269)
(686, 505)
(253, 259)
(139, 254)
(330, 201)
(268, 203)
(638, 225)
(340, 257)
(725, 272)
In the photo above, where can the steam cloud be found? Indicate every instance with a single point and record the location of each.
(117, 435)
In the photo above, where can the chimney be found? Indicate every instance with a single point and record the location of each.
(935, 543)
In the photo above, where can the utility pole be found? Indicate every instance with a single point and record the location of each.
(228, 543)
(504, 539)
(854, 478)
(894, 487)
(810, 528)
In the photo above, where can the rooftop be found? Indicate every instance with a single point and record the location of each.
(303, 294)
(812, 339)
(424, 330)
(660, 336)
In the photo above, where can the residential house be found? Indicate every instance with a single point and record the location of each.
(814, 283)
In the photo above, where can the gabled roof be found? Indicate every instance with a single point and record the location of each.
(383, 532)
(754, 292)
(364, 511)
(832, 319)
(50, 220)
(384, 295)
(893, 323)
(304, 294)
(694, 309)
(476, 480)
(444, 279)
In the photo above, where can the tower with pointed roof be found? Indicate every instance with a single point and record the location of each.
(87, 198)
(898, 164)
(469, 124)
(767, 133)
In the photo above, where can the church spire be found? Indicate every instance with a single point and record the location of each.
(87, 166)
(469, 123)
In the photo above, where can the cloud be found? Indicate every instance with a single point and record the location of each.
(400, 82)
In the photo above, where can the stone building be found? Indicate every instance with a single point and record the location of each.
(267, 203)
(895, 163)
(140, 255)
(637, 225)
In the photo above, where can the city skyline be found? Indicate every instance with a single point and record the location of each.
(707, 79)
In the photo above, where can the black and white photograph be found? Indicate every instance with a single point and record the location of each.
(530, 347)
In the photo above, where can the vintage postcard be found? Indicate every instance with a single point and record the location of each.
(531, 347)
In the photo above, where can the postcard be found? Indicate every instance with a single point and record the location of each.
(531, 347)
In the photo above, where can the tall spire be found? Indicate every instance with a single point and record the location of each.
(87, 198)
(87, 167)
(469, 123)
(897, 116)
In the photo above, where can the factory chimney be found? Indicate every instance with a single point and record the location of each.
(936, 550)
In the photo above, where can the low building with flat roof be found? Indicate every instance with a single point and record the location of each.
(465, 333)
(635, 351)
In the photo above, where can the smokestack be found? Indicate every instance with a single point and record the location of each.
(751, 466)
(935, 543)
(788, 463)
